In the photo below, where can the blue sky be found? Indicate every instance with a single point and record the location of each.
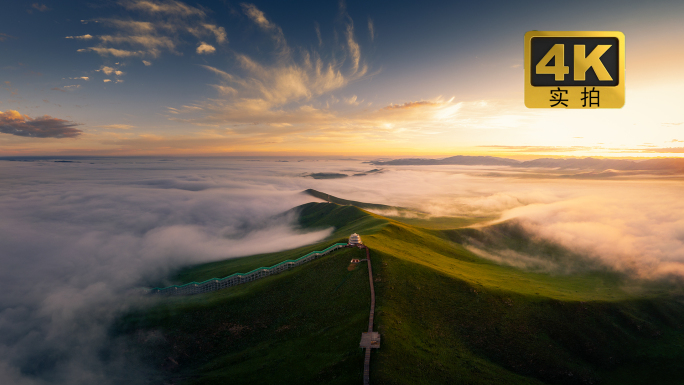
(388, 78)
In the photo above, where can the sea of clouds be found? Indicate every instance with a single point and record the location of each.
(77, 238)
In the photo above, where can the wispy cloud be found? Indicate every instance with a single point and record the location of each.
(539, 148)
(117, 126)
(259, 18)
(169, 7)
(219, 32)
(152, 44)
(40, 7)
(371, 29)
(665, 150)
(4, 36)
(147, 63)
(407, 105)
(117, 52)
(82, 37)
(352, 100)
(317, 28)
(354, 48)
(259, 92)
(160, 26)
(14, 123)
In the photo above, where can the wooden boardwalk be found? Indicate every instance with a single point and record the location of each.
(366, 363)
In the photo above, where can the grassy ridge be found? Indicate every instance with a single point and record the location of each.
(446, 316)
(301, 326)
(437, 329)
(311, 216)
(432, 249)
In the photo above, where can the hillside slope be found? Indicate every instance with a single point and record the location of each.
(445, 314)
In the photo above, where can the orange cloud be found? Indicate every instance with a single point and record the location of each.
(407, 105)
(14, 123)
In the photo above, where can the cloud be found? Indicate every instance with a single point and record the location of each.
(352, 100)
(407, 105)
(133, 27)
(354, 48)
(151, 43)
(83, 37)
(118, 126)
(4, 36)
(117, 52)
(147, 63)
(281, 92)
(14, 123)
(110, 70)
(318, 34)
(57, 89)
(107, 80)
(155, 27)
(76, 249)
(81, 78)
(540, 148)
(666, 150)
(371, 29)
(40, 7)
(169, 7)
(629, 232)
(633, 226)
(205, 48)
(219, 32)
(259, 18)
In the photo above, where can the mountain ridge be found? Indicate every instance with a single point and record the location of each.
(588, 163)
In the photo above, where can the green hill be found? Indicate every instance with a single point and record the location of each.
(403, 214)
(445, 315)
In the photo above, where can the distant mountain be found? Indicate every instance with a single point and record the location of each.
(327, 175)
(671, 165)
(367, 206)
(457, 160)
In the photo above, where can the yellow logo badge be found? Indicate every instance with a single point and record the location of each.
(580, 69)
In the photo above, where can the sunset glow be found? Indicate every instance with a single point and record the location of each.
(244, 79)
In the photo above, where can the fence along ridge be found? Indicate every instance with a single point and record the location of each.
(213, 284)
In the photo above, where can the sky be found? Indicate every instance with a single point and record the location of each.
(173, 78)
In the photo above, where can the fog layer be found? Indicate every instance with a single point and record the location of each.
(77, 238)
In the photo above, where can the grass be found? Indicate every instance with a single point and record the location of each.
(437, 329)
(312, 216)
(433, 250)
(441, 223)
(445, 315)
(302, 326)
